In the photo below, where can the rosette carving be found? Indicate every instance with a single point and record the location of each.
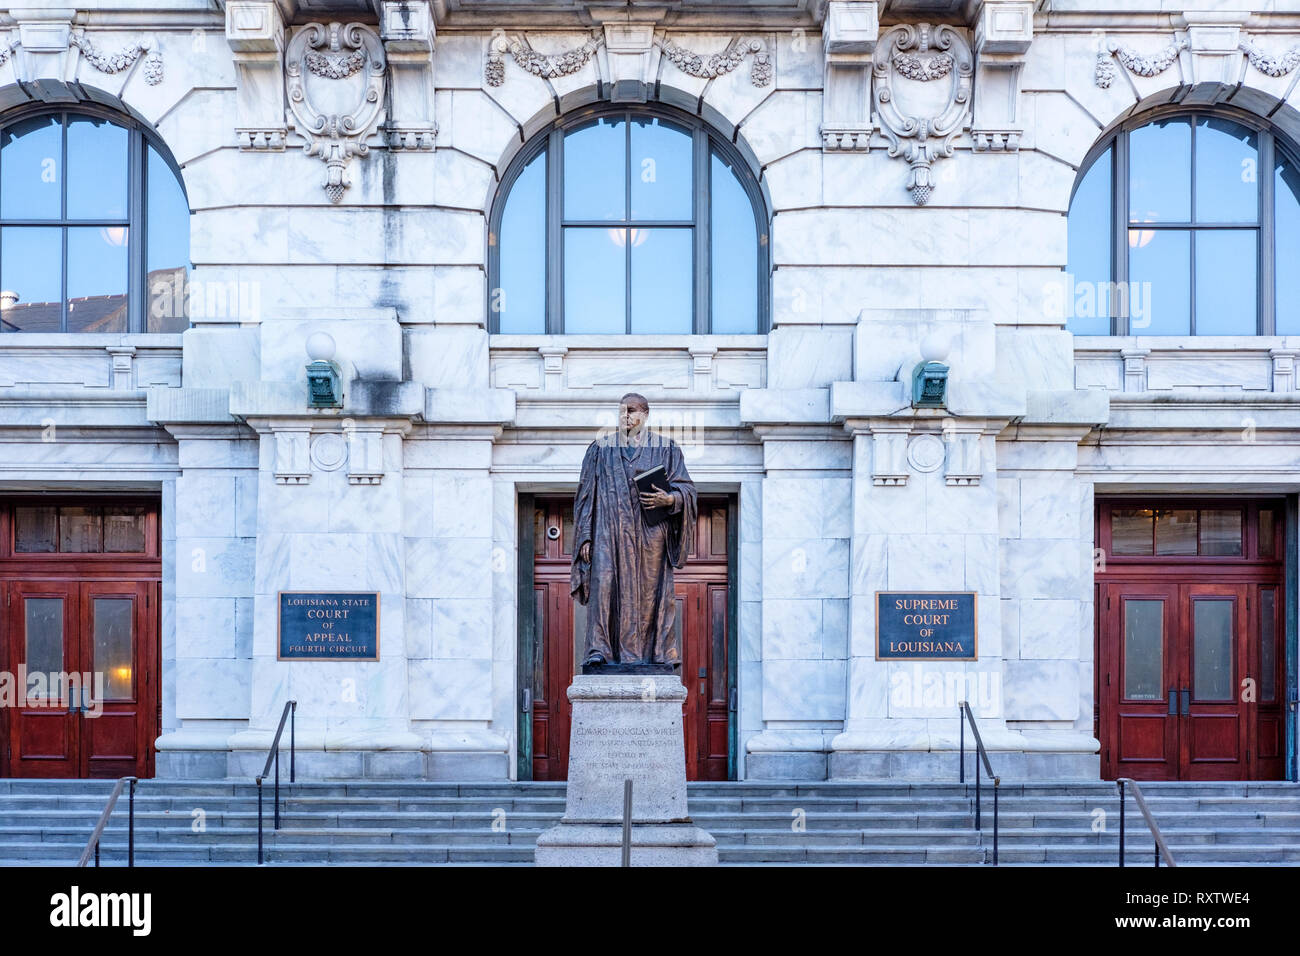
(922, 95)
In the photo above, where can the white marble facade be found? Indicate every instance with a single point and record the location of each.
(844, 489)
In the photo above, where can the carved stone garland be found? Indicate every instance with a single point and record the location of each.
(352, 55)
(1271, 64)
(538, 64)
(922, 54)
(1148, 65)
(720, 64)
(122, 59)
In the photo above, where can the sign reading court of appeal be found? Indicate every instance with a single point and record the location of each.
(926, 626)
(328, 626)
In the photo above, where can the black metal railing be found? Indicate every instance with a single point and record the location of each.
(289, 713)
(982, 758)
(1161, 847)
(92, 847)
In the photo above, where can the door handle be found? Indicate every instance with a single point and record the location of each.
(1173, 702)
(1187, 701)
(528, 701)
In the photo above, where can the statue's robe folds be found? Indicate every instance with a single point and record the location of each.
(629, 583)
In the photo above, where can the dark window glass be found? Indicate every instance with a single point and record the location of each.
(718, 531)
(31, 158)
(595, 279)
(1160, 174)
(1160, 300)
(1143, 649)
(1175, 532)
(81, 530)
(124, 530)
(1267, 534)
(595, 171)
(1086, 297)
(167, 259)
(1225, 281)
(98, 161)
(36, 530)
(31, 260)
(114, 646)
(1212, 649)
(1268, 645)
(734, 251)
(1131, 531)
(610, 229)
(43, 650)
(520, 301)
(97, 278)
(1221, 532)
(662, 187)
(1227, 172)
(77, 172)
(1286, 236)
(566, 529)
(539, 532)
(662, 280)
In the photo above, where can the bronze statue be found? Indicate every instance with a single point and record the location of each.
(628, 539)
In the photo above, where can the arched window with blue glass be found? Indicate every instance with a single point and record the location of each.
(623, 221)
(1186, 223)
(94, 226)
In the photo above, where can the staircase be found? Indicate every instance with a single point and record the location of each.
(180, 823)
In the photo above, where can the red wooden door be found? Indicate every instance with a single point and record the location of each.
(117, 646)
(43, 628)
(1212, 652)
(559, 627)
(1173, 657)
(87, 650)
(1141, 641)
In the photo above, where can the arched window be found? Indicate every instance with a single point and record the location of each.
(628, 221)
(94, 226)
(1188, 224)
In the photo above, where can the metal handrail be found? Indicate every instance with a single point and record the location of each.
(92, 847)
(290, 712)
(964, 714)
(1161, 847)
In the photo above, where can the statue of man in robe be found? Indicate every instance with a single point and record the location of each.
(627, 540)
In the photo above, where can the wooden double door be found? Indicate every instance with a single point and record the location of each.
(1191, 658)
(79, 594)
(553, 627)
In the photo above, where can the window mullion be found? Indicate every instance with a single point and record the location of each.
(137, 263)
(555, 232)
(63, 217)
(627, 223)
(1119, 237)
(1191, 244)
(1266, 248)
(702, 187)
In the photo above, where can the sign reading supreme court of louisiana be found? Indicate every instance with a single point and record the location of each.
(328, 626)
(926, 626)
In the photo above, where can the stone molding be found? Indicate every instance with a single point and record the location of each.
(255, 33)
(408, 32)
(917, 131)
(1003, 35)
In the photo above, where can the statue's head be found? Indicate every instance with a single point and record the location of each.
(633, 410)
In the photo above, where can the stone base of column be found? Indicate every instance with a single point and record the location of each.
(625, 727)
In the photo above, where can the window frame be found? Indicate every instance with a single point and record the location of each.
(705, 142)
(1271, 145)
(139, 135)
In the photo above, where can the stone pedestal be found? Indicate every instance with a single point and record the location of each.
(626, 726)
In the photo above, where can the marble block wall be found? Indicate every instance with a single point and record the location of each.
(804, 606)
(210, 534)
